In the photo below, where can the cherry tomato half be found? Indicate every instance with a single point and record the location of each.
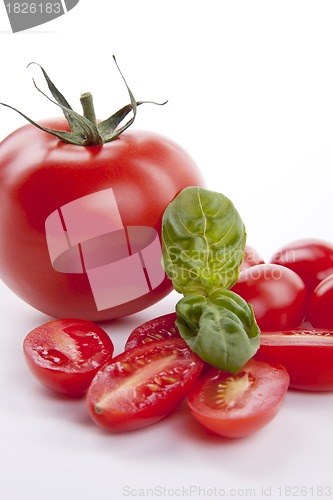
(306, 354)
(277, 294)
(320, 304)
(235, 406)
(142, 385)
(64, 355)
(251, 258)
(311, 259)
(161, 328)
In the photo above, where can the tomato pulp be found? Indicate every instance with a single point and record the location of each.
(80, 226)
(64, 355)
(142, 385)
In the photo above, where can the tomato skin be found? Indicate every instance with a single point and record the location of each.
(142, 385)
(238, 415)
(39, 174)
(160, 328)
(277, 294)
(251, 258)
(64, 355)
(311, 259)
(307, 354)
(320, 303)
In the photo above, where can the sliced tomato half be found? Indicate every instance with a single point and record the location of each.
(306, 353)
(143, 385)
(65, 354)
(235, 406)
(160, 328)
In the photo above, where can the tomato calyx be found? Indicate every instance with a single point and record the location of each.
(84, 129)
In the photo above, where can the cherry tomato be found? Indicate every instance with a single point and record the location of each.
(235, 406)
(156, 329)
(277, 294)
(311, 259)
(81, 225)
(142, 385)
(251, 258)
(64, 355)
(306, 354)
(320, 304)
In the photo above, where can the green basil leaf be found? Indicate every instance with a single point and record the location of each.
(203, 240)
(221, 329)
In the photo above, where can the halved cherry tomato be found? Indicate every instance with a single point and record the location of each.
(235, 406)
(311, 259)
(320, 304)
(251, 258)
(142, 385)
(160, 328)
(64, 355)
(307, 355)
(277, 294)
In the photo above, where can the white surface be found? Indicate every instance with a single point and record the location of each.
(250, 89)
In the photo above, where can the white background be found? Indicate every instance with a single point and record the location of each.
(250, 90)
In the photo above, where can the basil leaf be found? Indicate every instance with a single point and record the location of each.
(203, 240)
(221, 329)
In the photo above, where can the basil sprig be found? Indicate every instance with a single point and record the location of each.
(203, 239)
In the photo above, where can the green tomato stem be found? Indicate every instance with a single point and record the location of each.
(87, 104)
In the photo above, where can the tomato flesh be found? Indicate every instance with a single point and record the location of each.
(236, 405)
(142, 385)
(320, 304)
(251, 258)
(160, 328)
(64, 355)
(307, 355)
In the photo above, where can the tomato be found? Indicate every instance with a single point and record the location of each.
(235, 406)
(320, 304)
(277, 294)
(306, 354)
(156, 329)
(80, 225)
(142, 385)
(64, 355)
(251, 258)
(311, 259)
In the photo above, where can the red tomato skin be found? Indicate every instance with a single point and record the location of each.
(160, 328)
(136, 411)
(277, 294)
(310, 366)
(252, 258)
(270, 384)
(69, 378)
(39, 174)
(320, 304)
(310, 258)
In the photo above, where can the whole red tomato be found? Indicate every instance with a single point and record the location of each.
(277, 294)
(311, 259)
(320, 304)
(80, 225)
